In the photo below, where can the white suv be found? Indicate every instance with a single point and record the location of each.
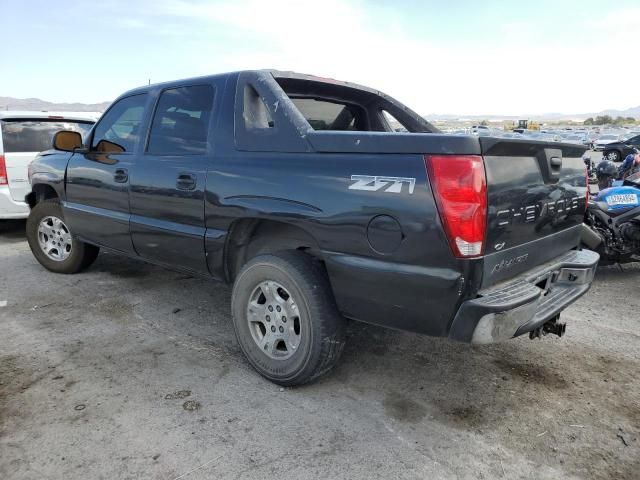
(23, 136)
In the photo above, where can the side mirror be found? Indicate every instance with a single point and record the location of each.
(67, 141)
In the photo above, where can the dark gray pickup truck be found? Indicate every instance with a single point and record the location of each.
(320, 200)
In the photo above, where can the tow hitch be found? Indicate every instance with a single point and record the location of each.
(552, 326)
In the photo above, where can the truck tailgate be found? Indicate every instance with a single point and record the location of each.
(536, 201)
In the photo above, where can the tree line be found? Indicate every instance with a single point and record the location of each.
(608, 120)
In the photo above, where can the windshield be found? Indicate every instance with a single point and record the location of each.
(36, 135)
(608, 137)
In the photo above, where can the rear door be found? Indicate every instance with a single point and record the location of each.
(23, 139)
(97, 186)
(169, 178)
(536, 202)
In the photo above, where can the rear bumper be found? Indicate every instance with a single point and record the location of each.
(9, 208)
(526, 302)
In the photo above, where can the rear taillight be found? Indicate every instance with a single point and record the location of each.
(4, 180)
(459, 186)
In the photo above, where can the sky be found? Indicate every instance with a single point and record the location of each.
(456, 56)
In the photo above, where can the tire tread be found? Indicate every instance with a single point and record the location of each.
(322, 304)
(84, 255)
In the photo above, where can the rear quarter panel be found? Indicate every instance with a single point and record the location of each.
(416, 287)
(17, 168)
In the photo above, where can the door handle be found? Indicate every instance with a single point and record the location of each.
(186, 181)
(121, 175)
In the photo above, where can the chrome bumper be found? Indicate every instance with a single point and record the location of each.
(526, 302)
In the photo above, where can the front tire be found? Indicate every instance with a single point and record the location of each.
(285, 318)
(52, 242)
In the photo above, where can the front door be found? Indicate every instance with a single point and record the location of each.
(97, 187)
(169, 177)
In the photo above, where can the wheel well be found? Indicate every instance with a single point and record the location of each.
(606, 152)
(40, 192)
(251, 237)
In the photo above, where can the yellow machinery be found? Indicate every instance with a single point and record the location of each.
(509, 125)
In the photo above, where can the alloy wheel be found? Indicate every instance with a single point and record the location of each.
(54, 238)
(274, 320)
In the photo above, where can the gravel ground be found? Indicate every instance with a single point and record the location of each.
(132, 371)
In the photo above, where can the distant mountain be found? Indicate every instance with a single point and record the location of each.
(35, 104)
(552, 116)
(629, 112)
(10, 103)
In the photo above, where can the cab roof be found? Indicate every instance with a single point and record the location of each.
(278, 74)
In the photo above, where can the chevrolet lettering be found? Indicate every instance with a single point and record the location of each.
(531, 213)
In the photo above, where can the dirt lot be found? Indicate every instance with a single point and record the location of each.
(131, 371)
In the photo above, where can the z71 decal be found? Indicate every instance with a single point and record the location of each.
(383, 184)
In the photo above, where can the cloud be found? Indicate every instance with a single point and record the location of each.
(133, 23)
(620, 22)
(525, 66)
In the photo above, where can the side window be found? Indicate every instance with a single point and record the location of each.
(118, 130)
(181, 121)
(392, 122)
(254, 112)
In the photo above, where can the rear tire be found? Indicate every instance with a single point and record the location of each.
(53, 244)
(285, 318)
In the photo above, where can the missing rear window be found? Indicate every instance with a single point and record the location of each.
(330, 115)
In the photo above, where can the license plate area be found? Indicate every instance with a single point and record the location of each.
(575, 276)
(622, 199)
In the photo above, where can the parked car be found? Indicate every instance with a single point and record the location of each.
(618, 151)
(603, 140)
(576, 138)
(23, 135)
(296, 190)
(544, 137)
(592, 136)
(511, 135)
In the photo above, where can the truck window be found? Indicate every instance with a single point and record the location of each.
(330, 115)
(392, 123)
(255, 112)
(36, 135)
(338, 106)
(181, 121)
(118, 131)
